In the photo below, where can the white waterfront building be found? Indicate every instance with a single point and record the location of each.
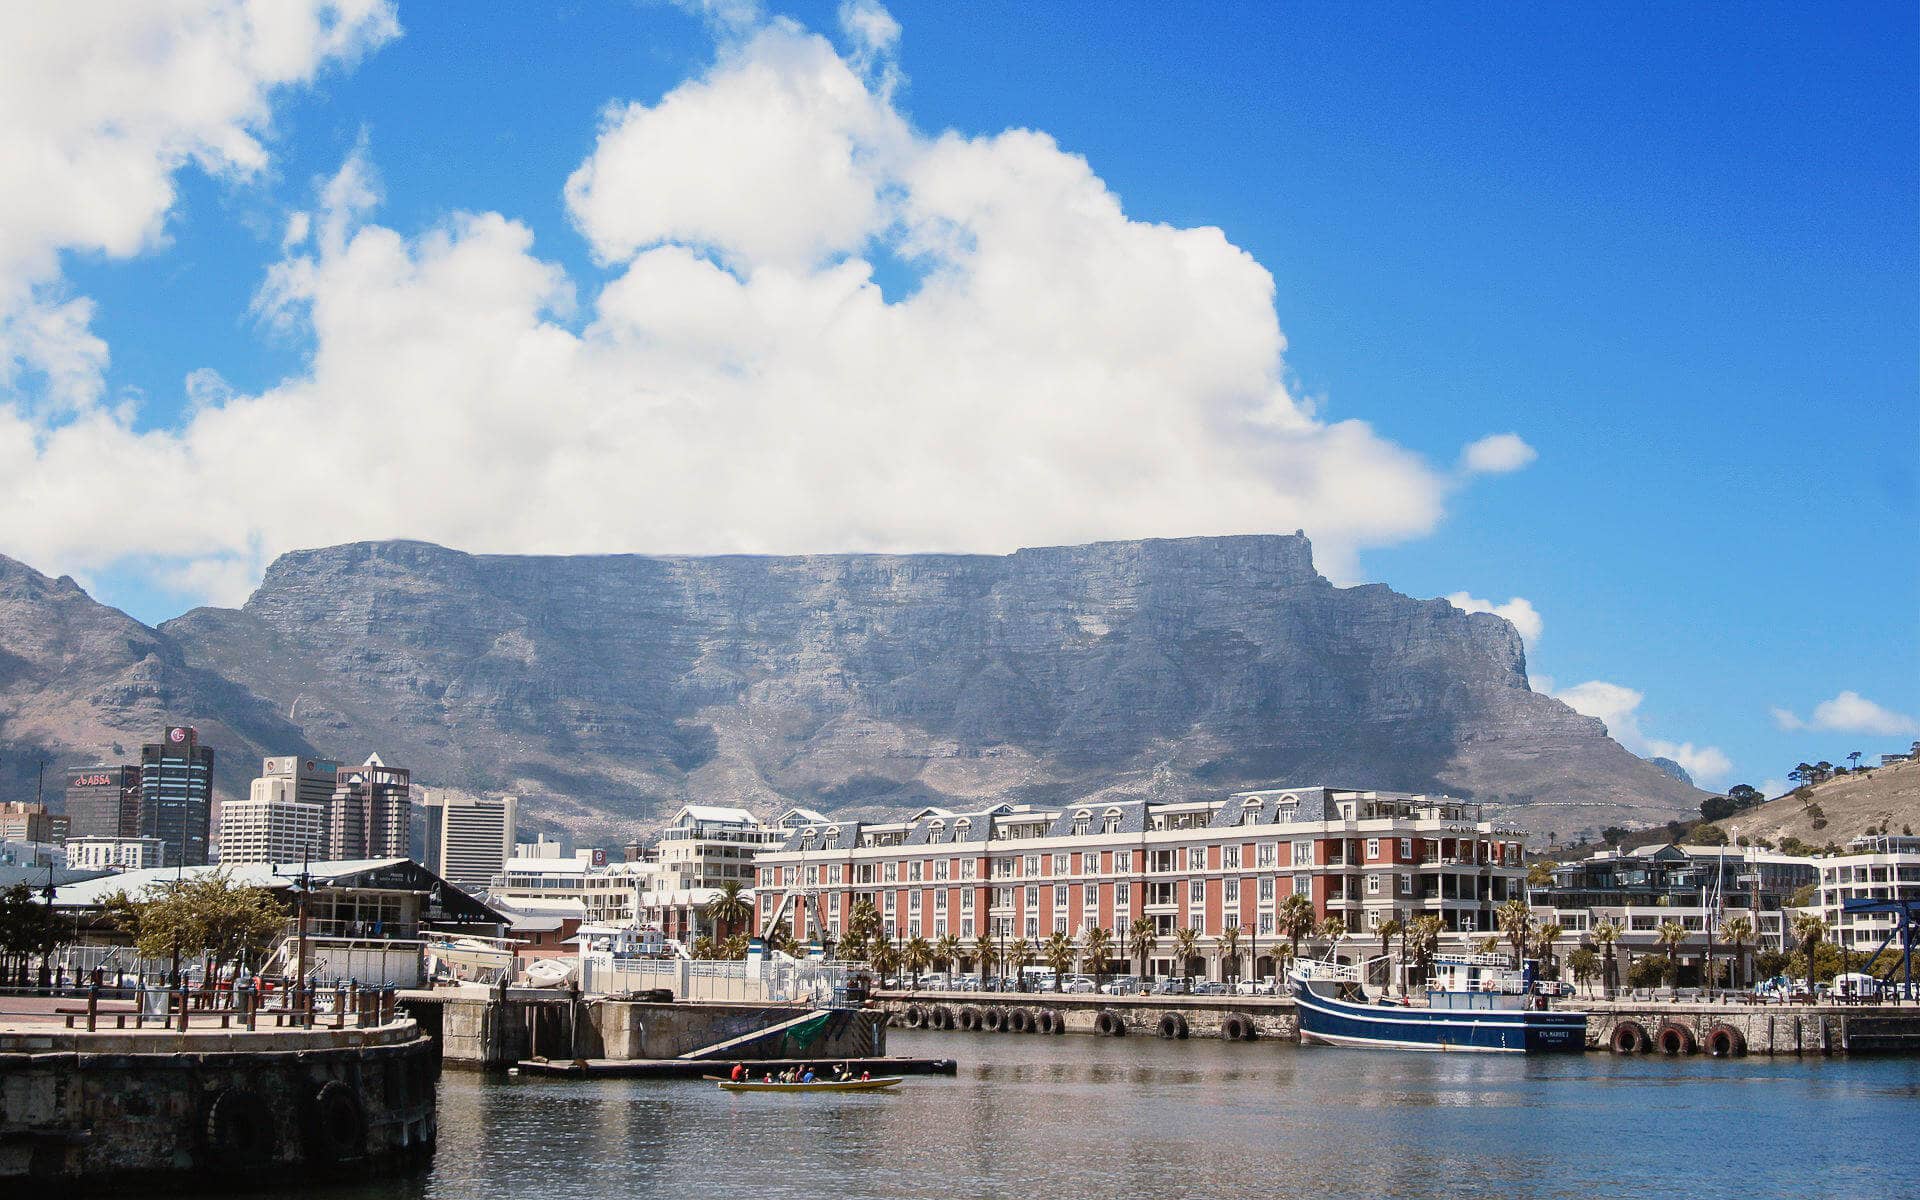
(1875, 867)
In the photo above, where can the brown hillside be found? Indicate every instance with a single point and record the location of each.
(1850, 803)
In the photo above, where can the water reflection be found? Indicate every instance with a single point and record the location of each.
(1069, 1117)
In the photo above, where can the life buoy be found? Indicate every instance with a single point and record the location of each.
(1237, 1028)
(1675, 1038)
(941, 1017)
(1172, 1026)
(1724, 1041)
(1629, 1037)
(337, 1127)
(993, 1020)
(238, 1129)
(1107, 1023)
(969, 1018)
(1020, 1021)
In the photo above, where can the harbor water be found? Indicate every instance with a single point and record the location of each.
(1069, 1117)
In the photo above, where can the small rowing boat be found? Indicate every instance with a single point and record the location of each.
(818, 1085)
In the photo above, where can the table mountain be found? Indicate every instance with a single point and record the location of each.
(609, 689)
(81, 683)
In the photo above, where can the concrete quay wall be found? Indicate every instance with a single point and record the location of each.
(1731, 1030)
(479, 1030)
(1234, 1018)
(155, 1112)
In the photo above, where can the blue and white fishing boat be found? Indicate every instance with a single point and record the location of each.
(1473, 1002)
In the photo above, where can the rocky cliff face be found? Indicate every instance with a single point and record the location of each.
(82, 683)
(617, 687)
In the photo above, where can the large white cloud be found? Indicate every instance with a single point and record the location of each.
(1618, 707)
(1519, 611)
(100, 105)
(1055, 372)
(1850, 712)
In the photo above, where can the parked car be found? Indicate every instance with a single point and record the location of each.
(1173, 985)
(1255, 987)
(1121, 985)
(1079, 985)
(1208, 987)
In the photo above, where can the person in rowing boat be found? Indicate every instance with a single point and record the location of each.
(739, 1073)
(806, 1075)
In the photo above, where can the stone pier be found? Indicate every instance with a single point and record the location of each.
(160, 1110)
(1233, 1018)
(1731, 1030)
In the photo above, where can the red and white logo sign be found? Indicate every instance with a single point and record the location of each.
(176, 735)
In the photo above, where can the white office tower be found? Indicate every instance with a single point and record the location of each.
(475, 837)
(272, 825)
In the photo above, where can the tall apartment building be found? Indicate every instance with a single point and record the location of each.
(284, 817)
(1875, 867)
(103, 802)
(1010, 872)
(29, 821)
(370, 812)
(472, 837)
(176, 794)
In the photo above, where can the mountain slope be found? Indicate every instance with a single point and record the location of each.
(82, 683)
(1849, 804)
(616, 687)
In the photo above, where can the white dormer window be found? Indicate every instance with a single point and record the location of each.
(1110, 821)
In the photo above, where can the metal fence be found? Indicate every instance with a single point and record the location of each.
(773, 980)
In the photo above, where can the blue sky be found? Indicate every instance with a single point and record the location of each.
(1674, 251)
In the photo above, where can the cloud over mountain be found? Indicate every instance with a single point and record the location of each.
(1039, 368)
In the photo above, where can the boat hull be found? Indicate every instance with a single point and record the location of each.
(1493, 1031)
(826, 1085)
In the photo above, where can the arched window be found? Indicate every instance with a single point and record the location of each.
(1110, 821)
(1082, 821)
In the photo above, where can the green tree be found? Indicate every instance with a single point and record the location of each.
(1422, 941)
(1142, 941)
(1227, 950)
(1810, 929)
(1331, 931)
(1546, 939)
(734, 948)
(884, 958)
(1099, 949)
(1708, 835)
(1584, 964)
(200, 915)
(1295, 920)
(863, 926)
(1671, 934)
(703, 948)
(1540, 874)
(916, 957)
(985, 956)
(1606, 935)
(1058, 952)
(1516, 925)
(1186, 940)
(1738, 931)
(728, 910)
(1019, 958)
(1387, 931)
(946, 951)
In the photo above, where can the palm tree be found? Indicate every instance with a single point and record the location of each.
(1098, 948)
(917, 957)
(1544, 940)
(1583, 962)
(1388, 930)
(1738, 931)
(863, 923)
(947, 950)
(1058, 952)
(884, 959)
(1671, 934)
(728, 909)
(1019, 958)
(1142, 941)
(1606, 934)
(1810, 929)
(1294, 921)
(1422, 939)
(1332, 930)
(985, 955)
(1516, 922)
(1488, 944)
(1186, 940)
(1227, 950)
